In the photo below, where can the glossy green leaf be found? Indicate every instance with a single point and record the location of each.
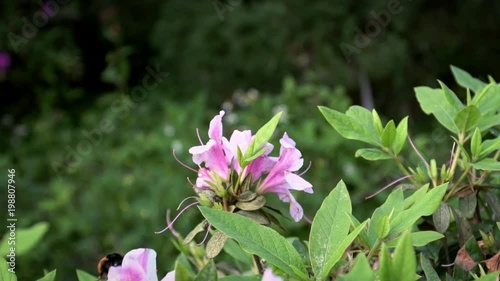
(84, 276)
(404, 261)
(389, 134)
(474, 250)
(207, 273)
(451, 97)
(26, 239)
(182, 269)
(405, 219)
(382, 227)
(467, 118)
(235, 251)
(430, 273)
(360, 271)
(349, 127)
(51, 276)
(433, 101)
(401, 134)
(418, 195)
(475, 144)
(377, 123)
(5, 274)
(418, 239)
(488, 164)
(489, 277)
(465, 80)
(488, 121)
(372, 154)
(257, 239)
(330, 226)
(489, 146)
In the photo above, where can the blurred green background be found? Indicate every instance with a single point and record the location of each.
(91, 136)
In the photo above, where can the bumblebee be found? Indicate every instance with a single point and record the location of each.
(106, 262)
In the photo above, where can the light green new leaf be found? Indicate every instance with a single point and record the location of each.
(84, 276)
(489, 146)
(401, 134)
(5, 274)
(383, 227)
(26, 238)
(488, 121)
(451, 97)
(488, 99)
(404, 261)
(257, 239)
(475, 144)
(372, 154)
(389, 134)
(349, 127)
(377, 123)
(488, 164)
(360, 271)
(489, 277)
(465, 80)
(416, 196)
(418, 239)
(467, 118)
(51, 276)
(208, 273)
(430, 273)
(405, 219)
(393, 204)
(433, 101)
(385, 264)
(261, 137)
(330, 226)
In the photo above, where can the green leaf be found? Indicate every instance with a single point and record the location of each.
(5, 274)
(467, 118)
(464, 228)
(401, 134)
(404, 262)
(382, 227)
(418, 239)
(360, 271)
(389, 134)
(474, 250)
(26, 239)
(182, 269)
(475, 144)
(261, 137)
(468, 205)
(488, 99)
(418, 195)
(235, 251)
(208, 273)
(372, 154)
(377, 123)
(51, 276)
(489, 121)
(262, 241)
(489, 146)
(385, 265)
(84, 276)
(393, 204)
(330, 226)
(488, 164)
(441, 218)
(465, 80)
(451, 97)
(433, 101)
(405, 219)
(489, 277)
(349, 127)
(430, 273)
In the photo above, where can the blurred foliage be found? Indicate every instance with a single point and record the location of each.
(81, 67)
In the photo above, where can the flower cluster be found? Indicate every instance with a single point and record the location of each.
(223, 170)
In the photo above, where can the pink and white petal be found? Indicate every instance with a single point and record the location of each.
(170, 276)
(146, 258)
(269, 276)
(287, 142)
(296, 210)
(132, 272)
(259, 166)
(215, 129)
(296, 182)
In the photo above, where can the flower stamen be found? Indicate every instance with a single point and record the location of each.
(176, 217)
(206, 235)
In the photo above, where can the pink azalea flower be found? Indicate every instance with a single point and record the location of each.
(137, 265)
(281, 179)
(212, 153)
(170, 276)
